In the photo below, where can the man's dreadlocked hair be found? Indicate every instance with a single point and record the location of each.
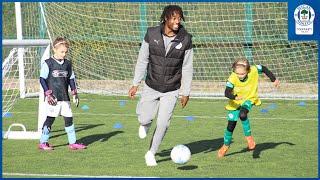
(169, 10)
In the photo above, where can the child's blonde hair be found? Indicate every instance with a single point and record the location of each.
(61, 41)
(241, 62)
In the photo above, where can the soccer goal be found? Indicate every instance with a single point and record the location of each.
(105, 40)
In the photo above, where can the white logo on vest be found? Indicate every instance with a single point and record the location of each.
(179, 46)
(157, 41)
(59, 73)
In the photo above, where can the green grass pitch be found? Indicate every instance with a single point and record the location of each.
(286, 137)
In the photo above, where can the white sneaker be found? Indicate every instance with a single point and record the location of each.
(150, 159)
(142, 132)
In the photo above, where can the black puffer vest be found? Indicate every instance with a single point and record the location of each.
(164, 71)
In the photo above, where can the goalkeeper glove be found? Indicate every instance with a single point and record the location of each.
(75, 97)
(50, 98)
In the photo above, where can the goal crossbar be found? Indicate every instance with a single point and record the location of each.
(25, 42)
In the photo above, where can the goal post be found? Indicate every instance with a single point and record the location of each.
(26, 55)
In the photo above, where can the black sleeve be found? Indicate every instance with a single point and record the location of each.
(73, 84)
(44, 85)
(228, 93)
(266, 71)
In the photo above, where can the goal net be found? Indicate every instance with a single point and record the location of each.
(105, 40)
(20, 79)
(11, 83)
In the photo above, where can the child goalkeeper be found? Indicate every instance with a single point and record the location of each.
(55, 77)
(242, 91)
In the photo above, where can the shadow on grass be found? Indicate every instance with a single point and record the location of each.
(98, 137)
(78, 128)
(203, 146)
(94, 138)
(189, 167)
(261, 147)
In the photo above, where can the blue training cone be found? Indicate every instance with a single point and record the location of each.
(122, 103)
(302, 103)
(190, 118)
(85, 107)
(264, 110)
(117, 125)
(272, 106)
(7, 115)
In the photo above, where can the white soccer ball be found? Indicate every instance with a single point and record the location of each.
(180, 154)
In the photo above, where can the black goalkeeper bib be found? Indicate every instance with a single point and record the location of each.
(59, 78)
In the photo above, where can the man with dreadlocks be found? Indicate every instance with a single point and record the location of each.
(166, 56)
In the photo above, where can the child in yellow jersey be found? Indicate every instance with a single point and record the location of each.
(242, 91)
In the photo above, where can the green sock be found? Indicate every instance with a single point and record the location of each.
(227, 137)
(246, 127)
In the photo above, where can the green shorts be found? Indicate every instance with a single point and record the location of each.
(233, 115)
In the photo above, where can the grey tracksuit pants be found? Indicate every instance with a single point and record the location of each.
(154, 103)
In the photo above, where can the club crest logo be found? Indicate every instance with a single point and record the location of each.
(304, 16)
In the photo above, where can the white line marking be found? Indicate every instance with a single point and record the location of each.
(210, 101)
(218, 101)
(177, 116)
(70, 175)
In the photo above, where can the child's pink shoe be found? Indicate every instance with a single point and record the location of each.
(45, 146)
(77, 146)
